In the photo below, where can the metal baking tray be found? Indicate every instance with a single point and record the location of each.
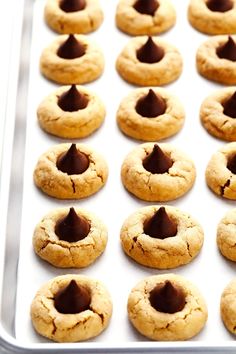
(22, 205)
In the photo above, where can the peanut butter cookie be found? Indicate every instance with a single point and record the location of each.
(226, 235)
(228, 306)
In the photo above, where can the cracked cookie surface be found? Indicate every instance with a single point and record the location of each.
(83, 21)
(157, 187)
(60, 185)
(158, 325)
(158, 253)
(213, 118)
(226, 235)
(64, 254)
(218, 177)
(228, 306)
(133, 22)
(150, 129)
(211, 22)
(86, 68)
(168, 69)
(60, 327)
(211, 66)
(76, 124)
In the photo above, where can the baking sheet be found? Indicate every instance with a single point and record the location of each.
(209, 271)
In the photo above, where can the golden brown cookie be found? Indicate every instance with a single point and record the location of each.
(79, 64)
(139, 17)
(70, 238)
(216, 59)
(167, 307)
(65, 16)
(218, 17)
(221, 172)
(150, 114)
(149, 62)
(157, 172)
(228, 306)
(218, 113)
(71, 112)
(82, 171)
(161, 237)
(226, 235)
(71, 308)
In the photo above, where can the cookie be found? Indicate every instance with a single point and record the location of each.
(167, 307)
(150, 114)
(218, 113)
(213, 16)
(216, 59)
(140, 17)
(221, 172)
(70, 238)
(157, 172)
(71, 112)
(71, 308)
(161, 237)
(147, 61)
(226, 235)
(70, 171)
(81, 16)
(228, 306)
(72, 59)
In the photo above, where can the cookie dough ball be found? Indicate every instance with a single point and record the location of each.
(70, 171)
(218, 113)
(213, 16)
(73, 16)
(221, 172)
(71, 308)
(72, 59)
(70, 238)
(150, 114)
(139, 17)
(216, 59)
(167, 307)
(161, 237)
(226, 235)
(147, 61)
(157, 172)
(228, 306)
(71, 112)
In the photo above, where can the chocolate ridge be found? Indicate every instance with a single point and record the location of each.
(231, 164)
(72, 227)
(71, 48)
(72, 100)
(160, 225)
(219, 5)
(157, 161)
(146, 7)
(150, 52)
(151, 105)
(227, 50)
(72, 161)
(230, 106)
(72, 5)
(72, 299)
(167, 298)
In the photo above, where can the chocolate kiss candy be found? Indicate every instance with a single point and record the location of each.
(219, 5)
(230, 106)
(150, 52)
(72, 100)
(231, 165)
(147, 7)
(72, 162)
(227, 50)
(72, 228)
(151, 105)
(71, 48)
(160, 225)
(157, 161)
(72, 299)
(167, 298)
(72, 5)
